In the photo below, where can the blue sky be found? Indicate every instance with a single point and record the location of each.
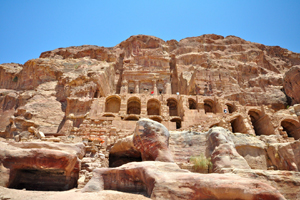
(28, 28)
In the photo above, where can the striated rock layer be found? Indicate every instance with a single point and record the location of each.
(146, 99)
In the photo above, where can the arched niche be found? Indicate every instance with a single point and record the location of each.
(231, 108)
(192, 104)
(261, 123)
(291, 127)
(173, 107)
(209, 106)
(153, 107)
(178, 122)
(134, 106)
(238, 125)
(112, 104)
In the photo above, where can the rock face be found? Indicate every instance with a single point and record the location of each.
(161, 180)
(224, 154)
(101, 96)
(291, 82)
(152, 140)
(40, 166)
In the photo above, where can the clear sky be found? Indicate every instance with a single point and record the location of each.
(29, 27)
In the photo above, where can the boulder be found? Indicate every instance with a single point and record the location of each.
(223, 152)
(40, 165)
(151, 138)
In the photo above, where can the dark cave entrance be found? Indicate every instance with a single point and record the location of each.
(178, 123)
(116, 160)
(261, 123)
(238, 125)
(292, 128)
(42, 180)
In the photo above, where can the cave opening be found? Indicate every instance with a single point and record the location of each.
(231, 108)
(292, 128)
(238, 125)
(116, 160)
(134, 106)
(42, 180)
(178, 123)
(208, 106)
(261, 123)
(192, 104)
(153, 107)
(172, 104)
(112, 104)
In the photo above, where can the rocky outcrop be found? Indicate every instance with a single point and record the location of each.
(286, 182)
(152, 140)
(161, 180)
(291, 82)
(40, 166)
(222, 151)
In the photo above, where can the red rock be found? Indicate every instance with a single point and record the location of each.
(161, 180)
(291, 84)
(40, 166)
(152, 140)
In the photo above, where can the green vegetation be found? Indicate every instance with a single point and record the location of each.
(201, 163)
(15, 79)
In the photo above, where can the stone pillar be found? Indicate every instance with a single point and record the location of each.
(154, 87)
(137, 88)
(168, 88)
(124, 88)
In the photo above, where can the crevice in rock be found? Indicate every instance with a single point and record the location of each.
(42, 180)
(119, 69)
(174, 75)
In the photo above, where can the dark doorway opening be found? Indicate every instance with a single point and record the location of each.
(42, 180)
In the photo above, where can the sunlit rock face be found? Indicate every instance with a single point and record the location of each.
(146, 99)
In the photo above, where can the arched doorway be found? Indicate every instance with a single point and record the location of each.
(192, 104)
(172, 104)
(134, 106)
(261, 123)
(178, 122)
(153, 107)
(209, 106)
(291, 127)
(237, 125)
(231, 108)
(112, 104)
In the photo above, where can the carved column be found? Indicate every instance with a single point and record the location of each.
(168, 88)
(124, 88)
(137, 88)
(154, 87)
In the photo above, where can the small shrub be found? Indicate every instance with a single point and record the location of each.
(15, 79)
(201, 163)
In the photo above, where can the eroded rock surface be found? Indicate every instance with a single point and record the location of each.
(40, 166)
(152, 140)
(161, 180)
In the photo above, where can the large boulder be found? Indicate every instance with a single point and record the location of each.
(40, 165)
(152, 140)
(223, 152)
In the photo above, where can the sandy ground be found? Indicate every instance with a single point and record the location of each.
(12, 194)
